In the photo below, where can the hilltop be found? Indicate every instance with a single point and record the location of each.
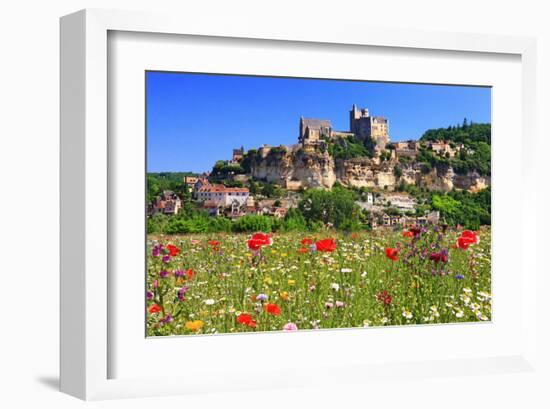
(457, 157)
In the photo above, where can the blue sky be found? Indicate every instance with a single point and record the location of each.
(195, 119)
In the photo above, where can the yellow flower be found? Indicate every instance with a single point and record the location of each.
(291, 282)
(194, 325)
(273, 251)
(284, 295)
(284, 254)
(268, 280)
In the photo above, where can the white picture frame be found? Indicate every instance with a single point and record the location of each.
(86, 355)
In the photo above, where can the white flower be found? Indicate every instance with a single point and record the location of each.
(335, 286)
(434, 311)
(407, 314)
(459, 314)
(384, 320)
(346, 270)
(482, 317)
(364, 274)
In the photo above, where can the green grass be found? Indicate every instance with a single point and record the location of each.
(226, 279)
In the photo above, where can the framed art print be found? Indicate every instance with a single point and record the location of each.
(281, 195)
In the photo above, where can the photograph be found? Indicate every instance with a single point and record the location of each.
(292, 204)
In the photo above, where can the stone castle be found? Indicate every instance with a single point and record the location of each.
(361, 125)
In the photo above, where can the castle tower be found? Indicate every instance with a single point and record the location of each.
(365, 126)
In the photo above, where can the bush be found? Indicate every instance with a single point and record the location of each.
(470, 210)
(294, 221)
(254, 223)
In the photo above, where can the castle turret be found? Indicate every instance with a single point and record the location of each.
(365, 126)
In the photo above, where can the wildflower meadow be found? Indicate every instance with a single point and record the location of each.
(288, 281)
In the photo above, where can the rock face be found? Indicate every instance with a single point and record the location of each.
(445, 179)
(294, 169)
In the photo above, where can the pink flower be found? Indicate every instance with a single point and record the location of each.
(290, 326)
(339, 304)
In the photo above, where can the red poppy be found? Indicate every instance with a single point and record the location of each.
(263, 238)
(174, 251)
(328, 245)
(246, 319)
(214, 243)
(154, 309)
(259, 240)
(303, 250)
(466, 239)
(189, 274)
(307, 241)
(254, 244)
(408, 233)
(272, 309)
(391, 253)
(470, 235)
(384, 297)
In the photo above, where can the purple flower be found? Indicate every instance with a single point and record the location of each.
(166, 259)
(166, 320)
(181, 292)
(179, 273)
(459, 277)
(261, 297)
(163, 274)
(149, 295)
(156, 250)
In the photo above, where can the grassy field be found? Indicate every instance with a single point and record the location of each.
(226, 283)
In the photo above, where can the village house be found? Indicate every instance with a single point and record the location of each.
(190, 180)
(166, 203)
(401, 202)
(407, 149)
(221, 195)
(405, 221)
(200, 183)
(443, 148)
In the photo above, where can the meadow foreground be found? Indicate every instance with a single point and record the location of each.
(227, 283)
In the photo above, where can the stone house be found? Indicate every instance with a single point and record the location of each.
(166, 203)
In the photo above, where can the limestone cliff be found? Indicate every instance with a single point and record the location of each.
(294, 168)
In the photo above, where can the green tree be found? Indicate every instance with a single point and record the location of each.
(336, 206)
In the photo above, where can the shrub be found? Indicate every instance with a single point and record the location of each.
(254, 223)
